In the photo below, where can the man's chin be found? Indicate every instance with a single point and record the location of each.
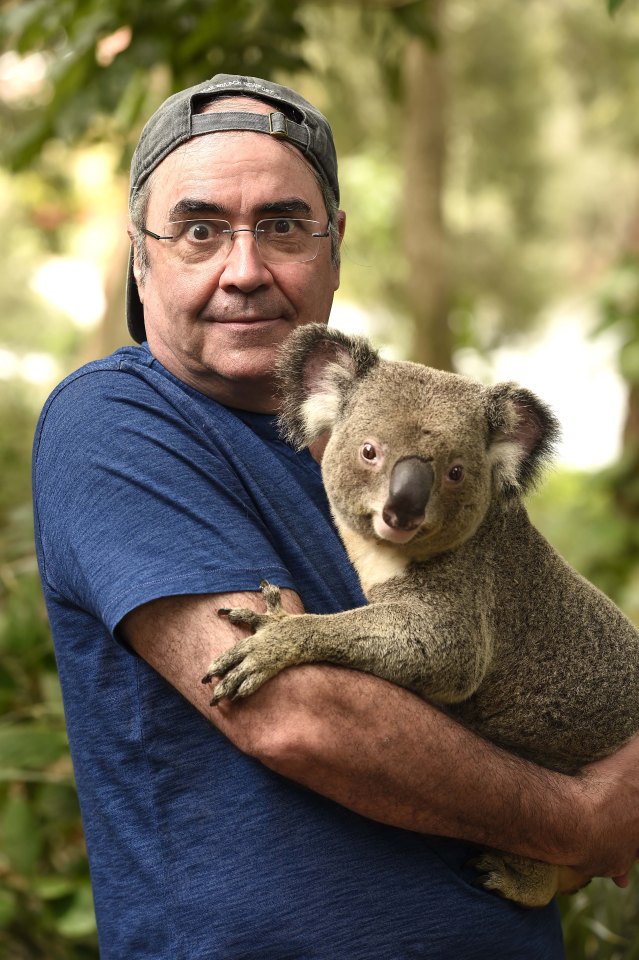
(241, 333)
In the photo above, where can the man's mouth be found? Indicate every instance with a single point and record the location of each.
(245, 321)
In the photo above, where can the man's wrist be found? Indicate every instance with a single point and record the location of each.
(601, 819)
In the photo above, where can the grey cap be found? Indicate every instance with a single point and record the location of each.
(179, 119)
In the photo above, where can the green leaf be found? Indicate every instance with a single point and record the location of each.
(53, 887)
(613, 6)
(79, 919)
(21, 837)
(8, 908)
(629, 361)
(415, 19)
(603, 933)
(31, 747)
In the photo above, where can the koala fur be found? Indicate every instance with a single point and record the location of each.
(469, 606)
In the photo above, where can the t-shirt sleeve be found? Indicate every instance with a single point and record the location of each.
(133, 503)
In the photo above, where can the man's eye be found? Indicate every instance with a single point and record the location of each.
(283, 227)
(202, 230)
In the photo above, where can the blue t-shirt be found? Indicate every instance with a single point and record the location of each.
(145, 488)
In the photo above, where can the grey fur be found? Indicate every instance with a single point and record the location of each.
(474, 611)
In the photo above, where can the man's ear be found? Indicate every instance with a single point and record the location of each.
(522, 434)
(138, 271)
(341, 228)
(341, 225)
(317, 369)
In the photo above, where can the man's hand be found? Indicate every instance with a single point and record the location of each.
(611, 798)
(622, 881)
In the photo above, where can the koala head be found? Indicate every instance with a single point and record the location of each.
(416, 456)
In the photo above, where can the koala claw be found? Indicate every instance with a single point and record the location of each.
(491, 867)
(251, 618)
(527, 882)
(244, 668)
(243, 615)
(253, 660)
(239, 683)
(272, 597)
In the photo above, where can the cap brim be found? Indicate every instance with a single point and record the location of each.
(134, 308)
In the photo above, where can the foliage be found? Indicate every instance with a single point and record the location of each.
(108, 65)
(619, 310)
(36, 210)
(600, 922)
(43, 868)
(541, 108)
(599, 55)
(502, 253)
(581, 516)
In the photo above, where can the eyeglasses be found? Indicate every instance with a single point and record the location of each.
(279, 240)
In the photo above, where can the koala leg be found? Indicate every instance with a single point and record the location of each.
(528, 882)
(397, 641)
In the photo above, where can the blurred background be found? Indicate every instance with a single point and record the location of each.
(489, 168)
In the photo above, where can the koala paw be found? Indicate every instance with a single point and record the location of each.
(527, 882)
(253, 660)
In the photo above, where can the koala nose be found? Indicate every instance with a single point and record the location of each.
(410, 486)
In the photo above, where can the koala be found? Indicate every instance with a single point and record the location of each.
(468, 605)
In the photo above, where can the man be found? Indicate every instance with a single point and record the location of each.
(163, 493)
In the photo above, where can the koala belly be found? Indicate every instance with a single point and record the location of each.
(555, 719)
(562, 686)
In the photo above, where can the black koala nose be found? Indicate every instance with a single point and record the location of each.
(409, 490)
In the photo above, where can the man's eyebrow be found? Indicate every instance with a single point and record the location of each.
(190, 205)
(285, 205)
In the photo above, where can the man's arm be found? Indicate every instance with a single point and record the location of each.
(386, 754)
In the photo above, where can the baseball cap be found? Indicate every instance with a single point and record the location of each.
(178, 119)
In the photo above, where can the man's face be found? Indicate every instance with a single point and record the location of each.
(217, 326)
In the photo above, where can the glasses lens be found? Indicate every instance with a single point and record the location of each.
(286, 240)
(200, 239)
(279, 240)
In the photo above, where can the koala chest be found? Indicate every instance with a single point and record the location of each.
(375, 562)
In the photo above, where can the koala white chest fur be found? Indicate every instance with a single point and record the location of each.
(375, 562)
(469, 606)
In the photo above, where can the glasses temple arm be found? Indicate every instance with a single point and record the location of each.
(156, 236)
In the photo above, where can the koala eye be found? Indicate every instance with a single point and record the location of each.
(456, 473)
(369, 453)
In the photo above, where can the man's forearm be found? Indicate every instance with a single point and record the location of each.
(386, 754)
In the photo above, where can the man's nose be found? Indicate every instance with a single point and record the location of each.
(244, 267)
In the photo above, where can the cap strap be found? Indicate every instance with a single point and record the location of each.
(276, 124)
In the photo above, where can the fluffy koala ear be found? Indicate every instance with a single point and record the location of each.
(522, 435)
(316, 370)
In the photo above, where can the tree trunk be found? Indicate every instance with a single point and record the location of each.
(424, 144)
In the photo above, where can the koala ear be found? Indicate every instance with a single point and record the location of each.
(316, 370)
(522, 435)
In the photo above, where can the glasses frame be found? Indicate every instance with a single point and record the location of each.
(254, 230)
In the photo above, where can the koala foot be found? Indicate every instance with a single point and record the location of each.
(527, 882)
(253, 660)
